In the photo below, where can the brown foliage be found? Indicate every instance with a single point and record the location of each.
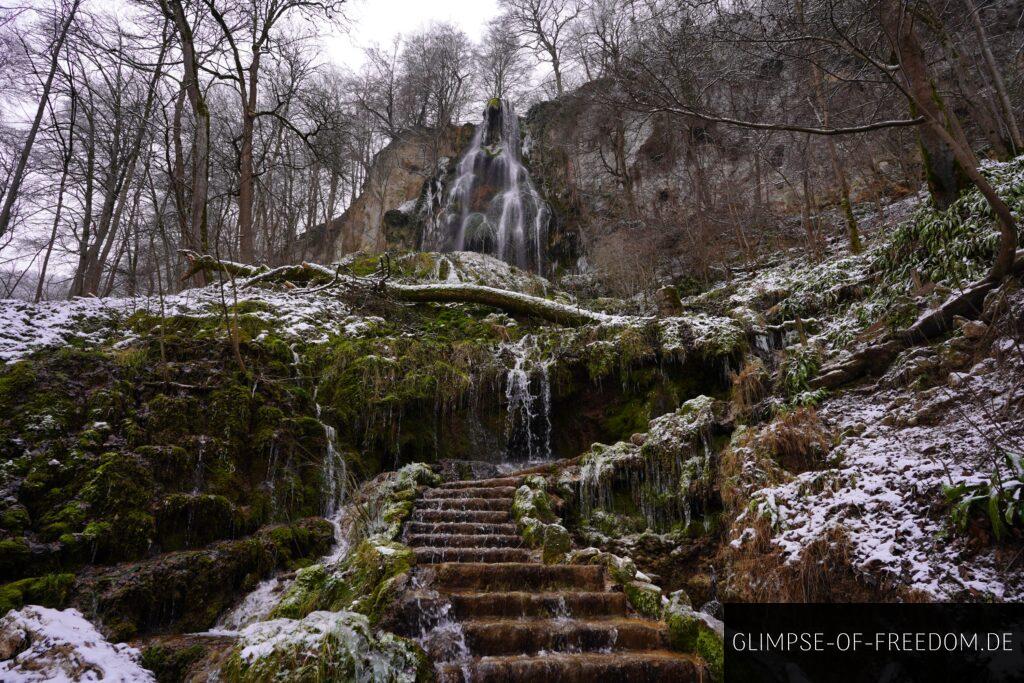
(797, 440)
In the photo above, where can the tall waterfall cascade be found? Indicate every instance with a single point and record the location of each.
(492, 206)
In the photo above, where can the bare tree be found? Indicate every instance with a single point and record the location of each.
(542, 26)
(500, 62)
(62, 25)
(255, 22)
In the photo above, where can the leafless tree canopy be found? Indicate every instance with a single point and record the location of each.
(217, 125)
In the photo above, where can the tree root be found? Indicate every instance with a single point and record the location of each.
(875, 358)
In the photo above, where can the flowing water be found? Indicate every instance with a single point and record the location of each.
(528, 403)
(493, 206)
(258, 604)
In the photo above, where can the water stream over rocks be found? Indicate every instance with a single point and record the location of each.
(260, 602)
(528, 402)
(492, 205)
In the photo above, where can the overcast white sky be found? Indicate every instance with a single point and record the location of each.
(378, 21)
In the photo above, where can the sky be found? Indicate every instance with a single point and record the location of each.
(378, 21)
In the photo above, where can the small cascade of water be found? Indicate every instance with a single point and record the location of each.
(493, 206)
(648, 481)
(257, 605)
(439, 634)
(528, 402)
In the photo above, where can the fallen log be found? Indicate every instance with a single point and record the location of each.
(443, 292)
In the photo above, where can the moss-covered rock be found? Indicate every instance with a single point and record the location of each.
(361, 583)
(556, 544)
(171, 664)
(532, 503)
(621, 569)
(51, 590)
(664, 477)
(697, 633)
(187, 590)
(323, 646)
(644, 597)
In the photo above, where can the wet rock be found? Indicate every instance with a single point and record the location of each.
(644, 597)
(557, 543)
(696, 632)
(187, 590)
(621, 569)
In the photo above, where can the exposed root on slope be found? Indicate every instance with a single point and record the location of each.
(873, 359)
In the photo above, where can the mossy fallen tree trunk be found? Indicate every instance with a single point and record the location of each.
(443, 292)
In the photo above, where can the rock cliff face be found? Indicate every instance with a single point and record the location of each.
(382, 214)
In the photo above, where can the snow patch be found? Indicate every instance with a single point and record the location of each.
(62, 646)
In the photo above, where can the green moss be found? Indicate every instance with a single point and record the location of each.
(360, 584)
(557, 543)
(51, 590)
(689, 632)
(15, 519)
(14, 556)
(119, 494)
(15, 382)
(644, 597)
(532, 503)
(305, 593)
(185, 520)
(171, 664)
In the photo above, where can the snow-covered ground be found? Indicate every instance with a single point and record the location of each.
(26, 327)
(885, 492)
(42, 645)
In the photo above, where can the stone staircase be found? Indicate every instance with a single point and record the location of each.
(523, 620)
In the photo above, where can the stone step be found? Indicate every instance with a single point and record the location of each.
(434, 555)
(485, 516)
(464, 504)
(530, 636)
(482, 528)
(464, 540)
(481, 483)
(620, 667)
(512, 576)
(471, 492)
(521, 604)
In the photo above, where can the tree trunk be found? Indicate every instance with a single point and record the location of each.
(997, 77)
(514, 302)
(19, 171)
(65, 165)
(246, 238)
(938, 124)
(201, 114)
(944, 172)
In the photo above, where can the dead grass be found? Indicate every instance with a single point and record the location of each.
(750, 386)
(742, 470)
(797, 440)
(757, 572)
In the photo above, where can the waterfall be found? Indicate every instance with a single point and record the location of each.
(528, 402)
(257, 605)
(493, 206)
